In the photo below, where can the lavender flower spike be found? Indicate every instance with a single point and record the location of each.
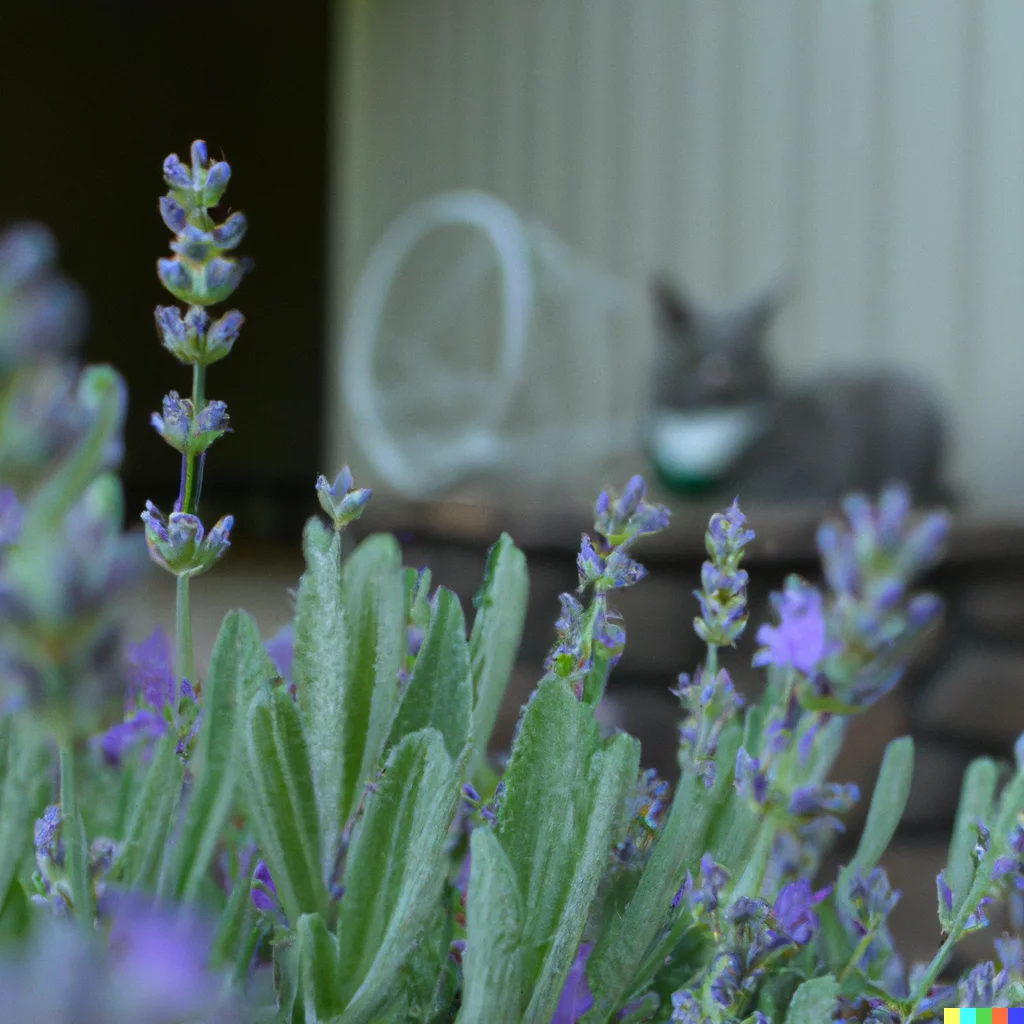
(723, 592)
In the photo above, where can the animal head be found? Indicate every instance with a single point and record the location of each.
(711, 358)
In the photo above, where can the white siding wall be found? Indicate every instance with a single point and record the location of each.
(870, 153)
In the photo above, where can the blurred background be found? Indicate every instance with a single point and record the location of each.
(458, 209)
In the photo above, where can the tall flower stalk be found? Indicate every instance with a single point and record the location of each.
(201, 274)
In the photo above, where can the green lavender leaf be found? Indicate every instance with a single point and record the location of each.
(153, 815)
(887, 804)
(321, 651)
(23, 758)
(492, 967)
(440, 693)
(814, 1001)
(977, 794)
(624, 953)
(101, 391)
(239, 666)
(373, 600)
(543, 814)
(282, 802)
(319, 971)
(235, 921)
(497, 632)
(395, 872)
(611, 775)
(76, 845)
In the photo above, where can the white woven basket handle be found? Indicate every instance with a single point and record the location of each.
(479, 446)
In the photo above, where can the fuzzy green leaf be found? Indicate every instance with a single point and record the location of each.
(611, 775)
(543, 814)
(235, 921)
(319, 969)
(153, 815)
(630, 942)
(239, 666)
(395, 872)
(373, 599)
(102, 393)
(440, 693)
(282, 802)
(23, 758)
(497, 632)
(494, 921)
(887, 804)
(321, 647)
(814, 1001)
(976, 797)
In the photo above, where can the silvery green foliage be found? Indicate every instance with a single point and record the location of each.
(317, 830)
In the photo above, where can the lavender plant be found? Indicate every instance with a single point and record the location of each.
(314, 831)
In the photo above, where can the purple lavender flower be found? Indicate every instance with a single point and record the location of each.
(340, 500)
(151, 676)
(185, 430)
(281, 648)
(589, 563)
(703, 895)
(794, 910)
(822, 799)
(42, 314)
(801, 638)
(154, 704)
(873, 899)
(710, 703)
(647, 810)
(263, 892)
(11, 516)
(623, 520)
(576, 999)
(140, 729)
(751, 781)
(686, 1008)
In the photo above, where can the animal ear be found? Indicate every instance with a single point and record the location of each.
(673, 311)
(757, 314)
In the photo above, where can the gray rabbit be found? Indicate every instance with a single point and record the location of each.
(719, 420)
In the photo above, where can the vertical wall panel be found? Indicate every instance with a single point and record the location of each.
(834, 282)
(994, 356)
(870, 155)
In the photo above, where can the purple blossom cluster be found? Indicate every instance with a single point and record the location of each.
(854, 647)
(723, 591)
(591, 639)
(156, 703)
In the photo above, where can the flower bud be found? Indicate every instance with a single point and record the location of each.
(339, 500)
(200, 157)
(177, 279)
(222, 335)
(173, 214)
(194, 245)
(222, 277)
(177, 542)
(231, 232)
(176, 174)
(216, 182)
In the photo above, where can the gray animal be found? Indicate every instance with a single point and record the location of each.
(720, 421)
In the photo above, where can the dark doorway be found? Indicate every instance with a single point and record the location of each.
(93, 95)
